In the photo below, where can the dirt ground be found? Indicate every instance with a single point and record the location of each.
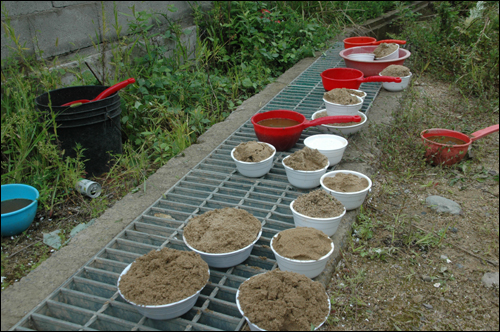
(407, 267)
(24, 252)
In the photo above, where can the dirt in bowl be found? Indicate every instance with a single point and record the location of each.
(302, 243)
(340, 96)
(385, 49)
(346, 183)
(396, 71)
(360, 94)
(344, 124)
(164, 276)
(318, 204)
(306, 159)
(222, 230)
(283, 301)
(253, 152)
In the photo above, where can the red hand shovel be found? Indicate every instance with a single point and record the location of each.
(106, 93)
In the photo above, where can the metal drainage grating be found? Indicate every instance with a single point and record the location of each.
(89, 300)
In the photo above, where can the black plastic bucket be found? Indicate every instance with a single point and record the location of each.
(95, 125)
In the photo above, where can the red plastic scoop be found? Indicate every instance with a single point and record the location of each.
(350, 78)
(106, 93)
(284, 138)
(365, 41)
(446, 154)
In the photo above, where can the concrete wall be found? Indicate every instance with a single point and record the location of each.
(68, 28)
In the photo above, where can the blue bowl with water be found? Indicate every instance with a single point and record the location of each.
(18, 221)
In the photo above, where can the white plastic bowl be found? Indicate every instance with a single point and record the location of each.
(338, 109)
(309, 268)
(362, 56)
(165, 311)
(254, 327)
(304, 179)
(332, 146)
(341, 130)
(255, 169)
(393, 56)
(226, 259)
(351, 200)
(391, 86)
(327, 225)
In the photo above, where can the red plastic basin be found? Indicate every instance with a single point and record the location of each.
(371, 68)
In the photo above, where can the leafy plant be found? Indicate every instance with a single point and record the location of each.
(378, 253)
(364, 226)
(252, 33)
(469, 55)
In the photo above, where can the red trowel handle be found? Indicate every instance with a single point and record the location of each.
(380, 79)
(109, 91)
(390, 41)
(483, 132)
(332, 119)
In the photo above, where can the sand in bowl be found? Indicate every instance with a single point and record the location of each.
(318, 204)
(306, 159)
(396, 71)
(345, 182)
(252, 152)
(222, 230)
(341, 96)
(384, 50)
(357, 93)
(302, 243)
(283, 301)
(164, 276)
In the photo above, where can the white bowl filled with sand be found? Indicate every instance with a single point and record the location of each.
(223, 237)
(303, 250)
(305, 167)
(318, 209)
(253, 159)
(283, 301)
(349, 187)
(166, 290)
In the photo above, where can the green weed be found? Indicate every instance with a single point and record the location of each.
(364, 226)
(469, 54)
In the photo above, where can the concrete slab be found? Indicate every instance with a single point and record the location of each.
(22, 297)
(61, 39)
(22, 30)
(17, 8)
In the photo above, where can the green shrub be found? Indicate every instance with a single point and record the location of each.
(254, 34)
(460, 44)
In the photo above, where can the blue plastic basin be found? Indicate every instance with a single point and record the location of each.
(18, 221)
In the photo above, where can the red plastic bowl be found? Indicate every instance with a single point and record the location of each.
(349, 78)
(284, 139)
(371, 68)
(445, 154)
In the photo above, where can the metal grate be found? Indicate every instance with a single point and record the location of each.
(89, 300)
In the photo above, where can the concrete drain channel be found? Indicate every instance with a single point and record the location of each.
(89, 300)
